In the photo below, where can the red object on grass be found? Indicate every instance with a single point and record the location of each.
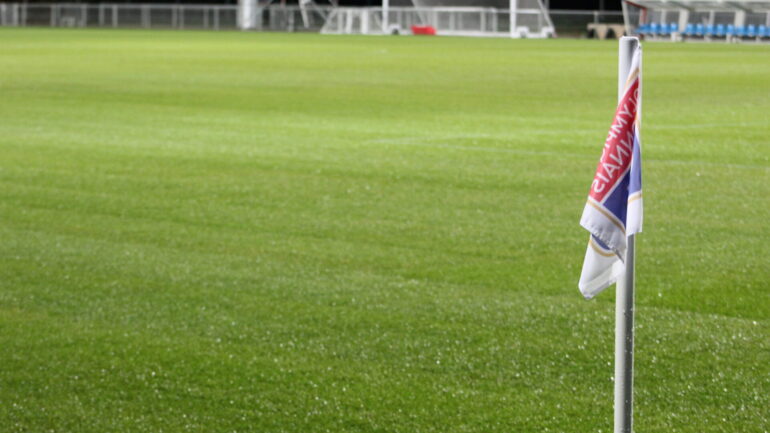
(424, 30)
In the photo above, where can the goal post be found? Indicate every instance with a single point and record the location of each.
(530, 19)
(484, 18)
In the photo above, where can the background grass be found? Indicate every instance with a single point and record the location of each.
(300, 233)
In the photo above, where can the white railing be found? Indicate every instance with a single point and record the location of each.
(452, 21)
(156, 15)
(175, 16)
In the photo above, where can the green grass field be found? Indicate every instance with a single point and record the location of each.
(217, 232)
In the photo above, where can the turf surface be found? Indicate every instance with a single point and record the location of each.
(299, 233)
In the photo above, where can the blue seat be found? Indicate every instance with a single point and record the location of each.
(699, 30)
(751, 31)
(662, 29)
(730, 30)
(643, 29)
(673, 27)
(710, 30)
(763, 32)
(689, 29)
(720, 30)
(654, 28)
(651, 29)
(740, 31)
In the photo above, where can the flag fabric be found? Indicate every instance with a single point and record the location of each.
(614, 207)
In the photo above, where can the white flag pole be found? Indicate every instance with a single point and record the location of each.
(624, 298)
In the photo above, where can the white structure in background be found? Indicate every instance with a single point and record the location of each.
(251, 13)
(9, 15)
(709, 20)
(522, 19)
(530, 19)
(247, 14)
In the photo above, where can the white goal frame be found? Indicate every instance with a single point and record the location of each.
(532, 22)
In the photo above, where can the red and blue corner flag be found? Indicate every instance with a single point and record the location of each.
(614, 207)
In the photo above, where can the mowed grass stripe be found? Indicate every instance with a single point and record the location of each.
(465, 344)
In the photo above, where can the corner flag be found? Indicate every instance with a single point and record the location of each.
(614, 207)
